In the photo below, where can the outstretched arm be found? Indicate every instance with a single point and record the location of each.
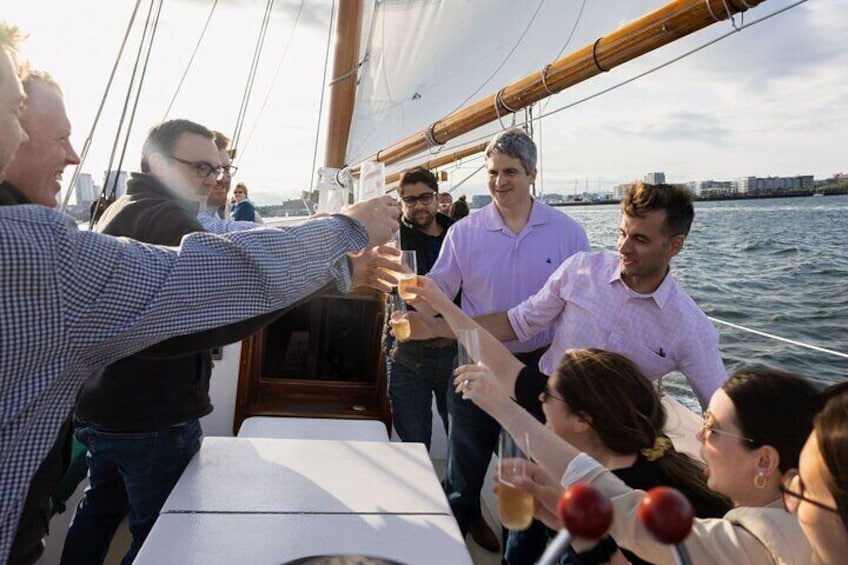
(548, 449)
(492, 351)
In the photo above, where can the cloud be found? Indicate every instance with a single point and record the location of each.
(677, 126)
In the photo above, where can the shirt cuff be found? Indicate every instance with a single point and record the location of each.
(515, 322)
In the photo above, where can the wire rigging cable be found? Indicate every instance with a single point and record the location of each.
(273, 81)
(323, 89)
(191, 60)
(505, 59)
(251, 77)
(107, 195)
(138, 93)
(87, 144)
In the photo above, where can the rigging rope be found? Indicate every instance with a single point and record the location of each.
(779, 338)
(323, 91)
(106, 196)
(88, 139)
(508, 55)
(273, 81)
(251, 76)
(191, 60)
(561, 51)
(138, 93)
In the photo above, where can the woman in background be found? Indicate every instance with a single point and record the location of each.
(242, 208)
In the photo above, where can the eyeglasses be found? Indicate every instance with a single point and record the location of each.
(546, 394)
(792, 492)
(709, 426)
(229, 170)
(201, 168)
(426, 199)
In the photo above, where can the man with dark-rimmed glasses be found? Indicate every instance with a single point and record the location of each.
(139, 418)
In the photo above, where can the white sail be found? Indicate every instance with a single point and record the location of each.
(427, 58)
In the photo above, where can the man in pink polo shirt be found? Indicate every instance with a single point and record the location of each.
(496, 258)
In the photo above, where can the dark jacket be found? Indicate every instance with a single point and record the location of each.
(10, 195)
(409, 352)
(167, 383)
(142, 393)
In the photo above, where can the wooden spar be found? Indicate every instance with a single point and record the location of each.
(343, 84)
(662, 26)
(435, 163)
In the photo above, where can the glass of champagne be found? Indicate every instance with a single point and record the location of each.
(372, 180)
(408, 280)
(468, 350)
(400, 325)
(514, 506)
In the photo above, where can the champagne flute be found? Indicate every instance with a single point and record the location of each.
(515, 506)
(372, 180)
(468, 350)
(408, 280)
(400, 325)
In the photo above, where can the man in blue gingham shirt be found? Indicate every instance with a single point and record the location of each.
(73, 302)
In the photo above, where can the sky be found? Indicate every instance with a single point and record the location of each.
(771, 100)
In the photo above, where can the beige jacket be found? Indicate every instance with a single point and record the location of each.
(745, 535)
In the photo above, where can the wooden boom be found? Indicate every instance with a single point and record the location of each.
(662, 26)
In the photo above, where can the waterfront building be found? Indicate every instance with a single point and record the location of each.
(86, 191)
(121, 179)
(654, 178)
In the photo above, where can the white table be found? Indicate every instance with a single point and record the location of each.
(269, 475)
(259, 500)
(258, 539)
(313, 428)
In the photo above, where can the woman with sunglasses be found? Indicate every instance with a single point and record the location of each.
(242, 208)
(818, 491)
(752, 436)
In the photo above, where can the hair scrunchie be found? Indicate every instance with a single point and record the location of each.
(661, 445)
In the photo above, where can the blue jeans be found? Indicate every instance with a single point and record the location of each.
(128, 472)
(472, 438)
(412, 384)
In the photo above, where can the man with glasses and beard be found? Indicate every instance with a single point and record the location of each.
(420, 369)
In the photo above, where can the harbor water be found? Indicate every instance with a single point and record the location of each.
(775, 265)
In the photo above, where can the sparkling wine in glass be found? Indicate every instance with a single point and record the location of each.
(514, 506)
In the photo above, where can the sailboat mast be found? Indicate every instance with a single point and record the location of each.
(662, 26)
(343, 83)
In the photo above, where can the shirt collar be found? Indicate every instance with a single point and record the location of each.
(660, 296)
(493, 221)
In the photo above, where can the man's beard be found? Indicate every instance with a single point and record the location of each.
(422, 219)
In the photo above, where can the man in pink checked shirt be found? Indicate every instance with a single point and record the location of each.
(627, 302)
